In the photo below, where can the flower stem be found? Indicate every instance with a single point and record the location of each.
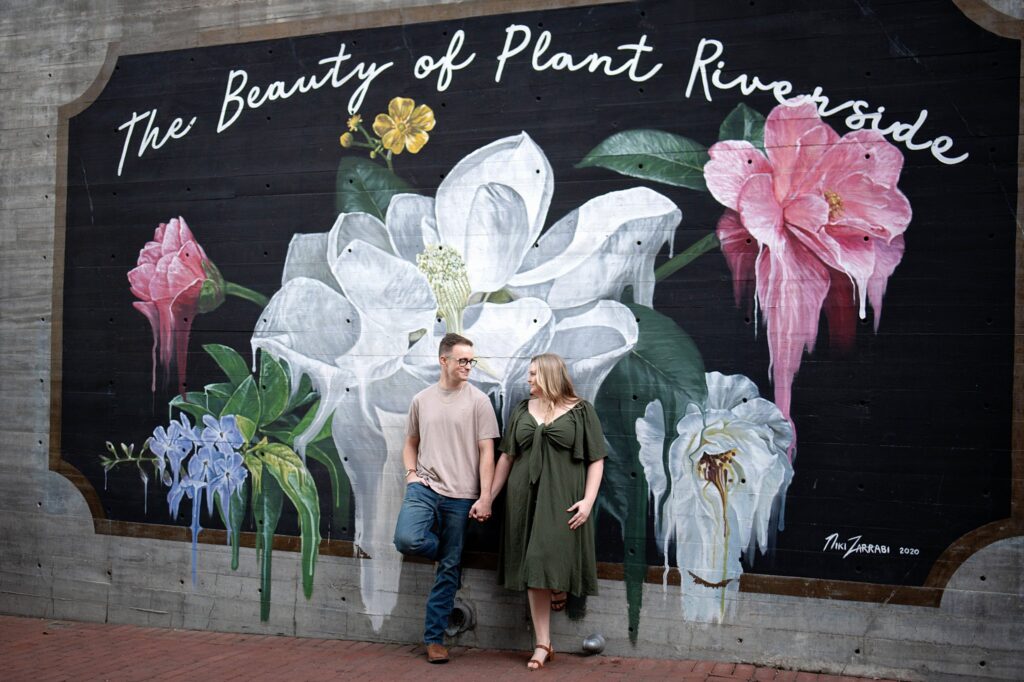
(369, 140)
(232, 289)
(708, 242)
(131, 459)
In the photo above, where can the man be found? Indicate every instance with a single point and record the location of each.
(449, 464)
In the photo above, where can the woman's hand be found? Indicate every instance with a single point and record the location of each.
(580, 513)
(481, 509)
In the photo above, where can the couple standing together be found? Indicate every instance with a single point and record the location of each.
(552, 458)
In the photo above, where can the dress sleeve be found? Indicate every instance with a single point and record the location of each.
(508, 443)
(589, 445)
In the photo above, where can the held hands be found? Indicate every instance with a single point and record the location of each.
(481, 510)
(581, 512)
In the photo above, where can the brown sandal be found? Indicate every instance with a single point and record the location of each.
(538, 664)
(559, 600)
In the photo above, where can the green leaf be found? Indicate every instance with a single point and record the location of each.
(255, 466)
(365, 186)
(237, 510)
(743, 123)
(290, 472)
(651, 155)
(303, 395)
(221, 390)
(286, 421)
(245, 401)
(327, 455)
(267, 501)
(300, 428)
(246, 426)
(323, 451)
(230, 361)
(217, 396)
(193, 403)
(283, 436)
(274, 388)
(666, 365)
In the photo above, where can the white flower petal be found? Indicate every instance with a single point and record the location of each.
(309, 325)
(706, 553)
(592, 341)
(552, 244)
(362, 226)
(386, 289)
(776, 428)
(728, 391)
(765, 472)
(422, 359)
(615, 238)
(369, 457)
(378, 353)
(516, 162)
(307, 257)
(736, 419)
(498, 233)
(650, 434)
(505, 337)
(395, 393)
(410, 224)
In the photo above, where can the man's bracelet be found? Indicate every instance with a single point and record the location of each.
(409, 471)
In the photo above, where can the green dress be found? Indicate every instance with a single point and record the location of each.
(549, 472)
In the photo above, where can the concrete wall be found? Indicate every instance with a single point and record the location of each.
(65, 554)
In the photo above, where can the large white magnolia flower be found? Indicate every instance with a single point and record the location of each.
(362, 308)
(723, 486)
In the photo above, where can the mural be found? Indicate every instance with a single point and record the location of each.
(679, 231)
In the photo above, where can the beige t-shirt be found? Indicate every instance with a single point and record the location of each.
(449, 424)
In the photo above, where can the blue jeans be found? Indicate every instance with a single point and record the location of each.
(431, 525)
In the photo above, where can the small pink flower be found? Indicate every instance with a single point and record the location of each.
(168, 282)
(817, 222)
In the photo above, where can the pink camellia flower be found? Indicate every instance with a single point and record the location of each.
(816, 223)
(174, 280)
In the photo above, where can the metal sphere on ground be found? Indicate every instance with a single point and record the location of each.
(593, 644)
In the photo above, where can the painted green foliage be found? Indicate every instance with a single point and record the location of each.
(651, 155)
(267, 411)
(367, 187)
(664, 365)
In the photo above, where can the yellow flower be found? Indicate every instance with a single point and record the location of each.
(405, 125)
(345, 140)
(354, 121)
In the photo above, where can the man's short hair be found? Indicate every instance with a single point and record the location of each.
(450, 340)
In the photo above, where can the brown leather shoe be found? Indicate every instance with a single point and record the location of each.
(437, 653)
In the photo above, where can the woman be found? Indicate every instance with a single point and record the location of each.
(552, 455)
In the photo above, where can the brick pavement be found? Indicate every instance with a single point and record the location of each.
(41, 650)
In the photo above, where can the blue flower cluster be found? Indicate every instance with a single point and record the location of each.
(215, 467)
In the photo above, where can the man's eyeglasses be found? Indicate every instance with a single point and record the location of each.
(464, 362)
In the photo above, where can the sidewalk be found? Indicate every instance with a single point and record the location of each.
(43, 650)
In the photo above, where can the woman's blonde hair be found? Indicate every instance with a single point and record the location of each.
(553, 379)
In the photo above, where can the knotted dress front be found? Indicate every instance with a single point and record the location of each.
(548, 475)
